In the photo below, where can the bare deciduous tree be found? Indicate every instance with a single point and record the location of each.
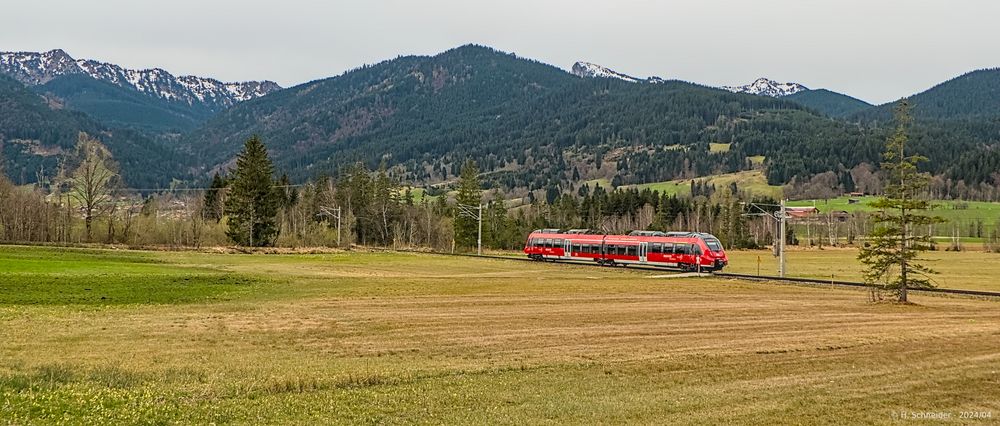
(93, 180)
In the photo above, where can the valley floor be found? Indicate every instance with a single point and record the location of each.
(97, 336)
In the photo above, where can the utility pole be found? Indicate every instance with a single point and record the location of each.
(783, 219)
(781, 216)
(474, 212)
(329, 211)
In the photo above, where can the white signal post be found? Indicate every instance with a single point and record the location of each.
(474, 212)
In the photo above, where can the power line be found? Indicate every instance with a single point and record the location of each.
(190, 189)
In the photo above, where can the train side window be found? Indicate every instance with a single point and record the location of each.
(681, 249)
(548, 243)
(633, 250)
(668, 248)
(696, 250)
(657, 248)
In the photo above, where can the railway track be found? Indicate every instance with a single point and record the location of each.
(812, 281)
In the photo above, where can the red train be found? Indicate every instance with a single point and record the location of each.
(681, 250)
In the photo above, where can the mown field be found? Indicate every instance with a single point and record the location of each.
(109, 337)
(972, 270)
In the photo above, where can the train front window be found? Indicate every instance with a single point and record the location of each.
(713, 244)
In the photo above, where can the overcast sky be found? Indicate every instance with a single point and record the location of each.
(876, 50)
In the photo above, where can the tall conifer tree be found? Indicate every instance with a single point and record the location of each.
(891, 253)
(252, 203)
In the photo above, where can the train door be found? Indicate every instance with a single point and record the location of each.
(643, 250)
(568, 248)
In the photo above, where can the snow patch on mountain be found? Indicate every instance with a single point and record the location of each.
(767, 87)
(591, 70)
(32, 68)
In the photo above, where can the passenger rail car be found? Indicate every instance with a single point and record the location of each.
(687, 251)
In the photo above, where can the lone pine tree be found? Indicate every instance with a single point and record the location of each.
(891, 254)
(252, 202)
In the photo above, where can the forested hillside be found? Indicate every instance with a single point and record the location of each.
(528, 124)
(830, 103)
(37, 136)
(974, 95)
(123, 107)
(533, 126)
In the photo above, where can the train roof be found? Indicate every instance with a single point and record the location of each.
(638, 233)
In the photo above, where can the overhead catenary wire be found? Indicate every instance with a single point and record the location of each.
(190, 189)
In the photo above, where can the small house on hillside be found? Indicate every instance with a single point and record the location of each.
(801, 212)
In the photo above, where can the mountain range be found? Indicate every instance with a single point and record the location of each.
(530, 125)
(37, 139)
(825, 101)
(149, 98)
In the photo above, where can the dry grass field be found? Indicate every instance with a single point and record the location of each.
(972, 270)
(409, 338)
